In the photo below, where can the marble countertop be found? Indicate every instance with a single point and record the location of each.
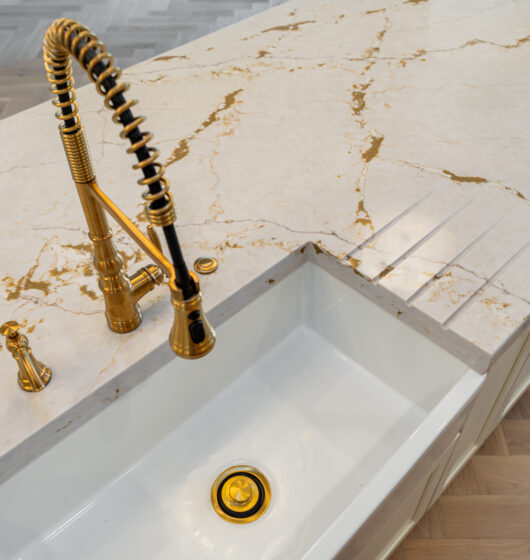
(392, 135)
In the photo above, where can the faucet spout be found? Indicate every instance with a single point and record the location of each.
(192, 335)
(143, 280)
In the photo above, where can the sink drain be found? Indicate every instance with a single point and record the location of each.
(241, 494)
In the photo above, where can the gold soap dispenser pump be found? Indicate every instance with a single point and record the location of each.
(33, 376)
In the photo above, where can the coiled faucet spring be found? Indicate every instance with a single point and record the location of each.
(91, 53)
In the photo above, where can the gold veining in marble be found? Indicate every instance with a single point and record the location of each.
(354, 263)
(182, 150)
(14, 287)
(169, 57)
(88, 292)
(489, 301)
(289, 26)
(363, 217)
(25, 283)
(418, 55)
(157, 79)
(386, 271)
(358, 102)
(463, 179)
(517, 44)
(445, 288)
(81, 247)
(227, 245)
(373, 150)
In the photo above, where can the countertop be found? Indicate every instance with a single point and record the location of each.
(388, 141)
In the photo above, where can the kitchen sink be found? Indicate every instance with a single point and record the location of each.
(336, 401)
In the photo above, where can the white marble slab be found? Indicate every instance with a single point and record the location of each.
(391, 134)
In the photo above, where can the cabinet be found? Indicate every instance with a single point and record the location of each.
(407, 503)
(505, 382)
(411, 511)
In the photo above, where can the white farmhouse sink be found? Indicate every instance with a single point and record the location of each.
(332, 398)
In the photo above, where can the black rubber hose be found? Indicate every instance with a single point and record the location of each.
(183, 278)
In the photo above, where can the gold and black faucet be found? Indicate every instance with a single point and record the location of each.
(191, 335)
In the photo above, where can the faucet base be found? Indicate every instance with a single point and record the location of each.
(35, 380)
(125, 326)
(122, 313)
(33, 376)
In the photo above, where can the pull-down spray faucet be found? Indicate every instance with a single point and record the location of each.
(191, 335)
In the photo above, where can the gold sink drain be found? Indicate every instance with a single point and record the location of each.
(241, 494)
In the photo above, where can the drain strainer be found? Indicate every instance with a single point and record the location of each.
(241, 494)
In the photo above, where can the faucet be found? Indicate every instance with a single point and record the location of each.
(191, 335)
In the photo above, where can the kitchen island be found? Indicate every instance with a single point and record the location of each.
(384, 141)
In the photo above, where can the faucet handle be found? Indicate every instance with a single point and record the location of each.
(10, 329)
(153, 237)
(32, 375)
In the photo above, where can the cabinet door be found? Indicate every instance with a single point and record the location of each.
(408, 472)
(436, 481)
(521, 385)
(394, 529)
(475, 430)
(411, 509)
(515, 384)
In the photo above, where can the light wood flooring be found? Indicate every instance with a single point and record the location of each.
(485, 512)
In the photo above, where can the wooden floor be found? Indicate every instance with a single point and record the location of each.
(485, 513)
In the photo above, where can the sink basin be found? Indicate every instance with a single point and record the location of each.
(335, 400)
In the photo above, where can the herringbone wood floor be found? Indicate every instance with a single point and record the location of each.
(132, 30)
(485, 513)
